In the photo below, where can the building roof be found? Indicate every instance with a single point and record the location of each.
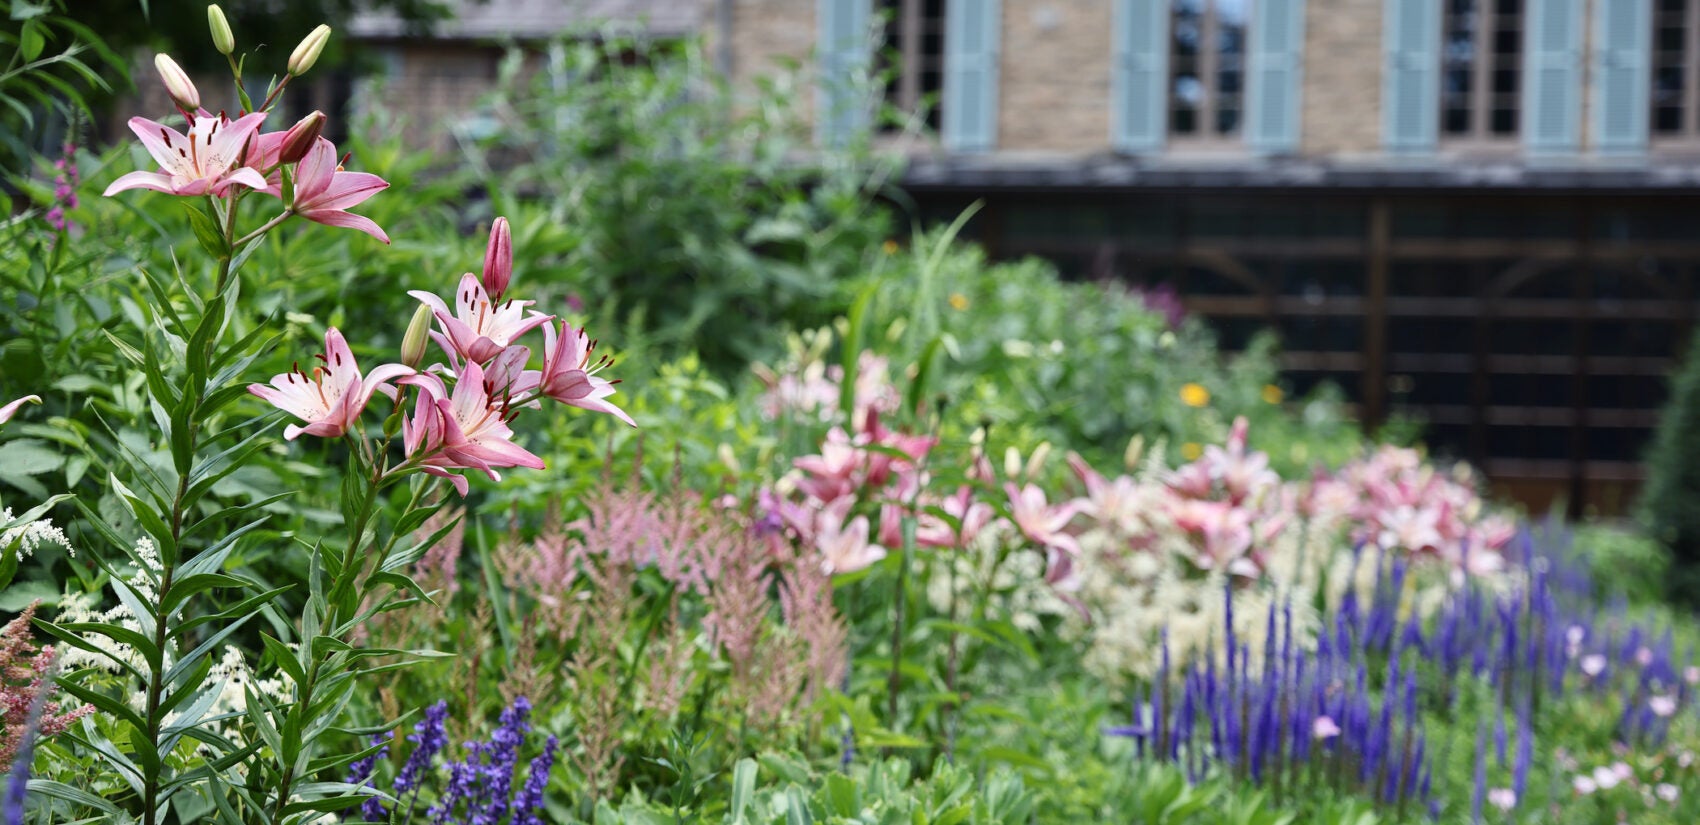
(1108, 172)
(527, 19)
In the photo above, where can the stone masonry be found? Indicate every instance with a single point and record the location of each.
(1341, 98)
(1054, 83)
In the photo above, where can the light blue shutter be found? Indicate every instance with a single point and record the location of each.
(1272, 93)
(842, 30)
(1622, 35)
(1410, 94)
(1139, 76)
(970, 105)
(1552, 76)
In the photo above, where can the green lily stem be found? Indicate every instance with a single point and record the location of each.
(262, 229)
(344, 580)
(168, 561)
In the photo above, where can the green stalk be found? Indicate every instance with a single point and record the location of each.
(339, 589)
(155, 691)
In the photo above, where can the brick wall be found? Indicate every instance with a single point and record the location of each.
(767, 35)
(1054, 81)
(1341, 100)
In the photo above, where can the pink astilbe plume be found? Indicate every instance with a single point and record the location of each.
(805, 600)
(26, 671)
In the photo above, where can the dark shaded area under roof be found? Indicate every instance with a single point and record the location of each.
(1112, 173)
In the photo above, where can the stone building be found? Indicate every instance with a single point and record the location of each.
(1477, 212)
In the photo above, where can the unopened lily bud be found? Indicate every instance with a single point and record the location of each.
(177, 83)
(414, 340)
(306, 54)
(223, 39)
(499, 259)
(301, 137)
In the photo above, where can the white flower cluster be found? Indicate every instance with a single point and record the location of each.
(231, 677)
(82, 608)
(31, 535)
(989, 565)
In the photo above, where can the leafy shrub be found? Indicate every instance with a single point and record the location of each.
(1625, 562)
(1673, 478)
(1085, 365)
(687, 208)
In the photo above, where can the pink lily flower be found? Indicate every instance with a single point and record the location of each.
(570, 377)
(972, 516)
(844, 546)
(835, 473)
(324, 193)
(463, 432)
(332, 398)
(1040, 522)
(11, 408)
(478, 329)
(209, 159)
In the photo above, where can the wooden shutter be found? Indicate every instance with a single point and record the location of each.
(1622, 72)
(842, 48)
(1410, 95)
(1272, 93)
(970, 105)
(1139, 76)
(1552, 76)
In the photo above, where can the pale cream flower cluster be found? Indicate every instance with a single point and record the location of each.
(27, 537)
(82, 608)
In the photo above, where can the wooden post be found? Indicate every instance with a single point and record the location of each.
(1375, 317)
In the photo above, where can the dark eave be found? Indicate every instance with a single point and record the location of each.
(1111, 173)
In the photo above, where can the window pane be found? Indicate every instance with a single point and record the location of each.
(1458, 62)
(1670, 66)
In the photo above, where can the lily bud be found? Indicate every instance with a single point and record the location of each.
(413, 341)
(499, 259)
(301, 137)
(306, 54)
(223, 39)
(177, 83)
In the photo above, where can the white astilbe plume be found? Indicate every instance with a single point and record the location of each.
(82, 608)
(31, 535)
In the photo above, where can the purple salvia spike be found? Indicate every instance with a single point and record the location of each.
(1228, 626)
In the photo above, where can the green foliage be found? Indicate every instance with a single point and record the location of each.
(687, 206)
(1673, 479)
(1084, 365)
(778, 790)
(54, 65)
(1625, 562)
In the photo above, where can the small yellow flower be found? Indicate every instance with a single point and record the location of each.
(1272, 394)
(1190, 450)
(1194, 395)
(958, 301)
(890, 247)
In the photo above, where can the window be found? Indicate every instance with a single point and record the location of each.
(1207, 69)
(1675, 28)
(913, 57)
(1481, 69)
